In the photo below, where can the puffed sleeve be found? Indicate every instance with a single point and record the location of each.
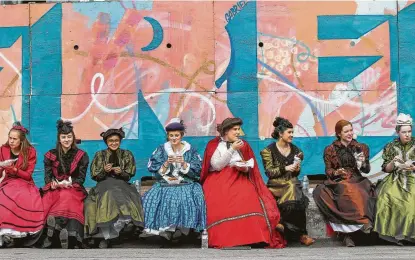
(272, 169)
(31, 163)
(97, 167)
(328, 161)
(83, 167)
(128, 170)
(156, 160)
(194, 164)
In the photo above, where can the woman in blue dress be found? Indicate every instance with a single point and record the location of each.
(175, 205)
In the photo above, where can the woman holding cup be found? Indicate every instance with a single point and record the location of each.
(175, 205)
(346, 198)
(241, 211)
(282, 164)
(395, 216)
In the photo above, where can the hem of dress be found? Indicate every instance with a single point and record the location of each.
(171, 228)
(71, 233)
(301, 204)
(397, 239)
(15, 234)
(111, 223)
(345, 228)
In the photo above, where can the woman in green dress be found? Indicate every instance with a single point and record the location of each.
(114, 204)
(395, 217)
(282, 164)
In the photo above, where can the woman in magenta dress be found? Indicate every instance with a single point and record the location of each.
(64, 193)
(240, 208)
(21, 217)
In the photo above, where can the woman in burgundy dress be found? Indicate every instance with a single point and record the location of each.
(240, 208)
(21, 217)
(64, 193)
(347, 199)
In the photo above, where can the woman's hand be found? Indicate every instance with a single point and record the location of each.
(10, 170)
(180, 159)
(108, 167)
(361, 158)
(67, 186)
(291, 168)
(339, 172)
(54, 185)
(170, 159)
(117, 170)
(237, 144)
(344, 174)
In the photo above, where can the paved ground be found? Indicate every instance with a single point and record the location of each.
(358, 253)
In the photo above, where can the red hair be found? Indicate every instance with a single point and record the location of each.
(339, 127)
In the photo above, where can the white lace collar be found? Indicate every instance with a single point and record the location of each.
(169, 149)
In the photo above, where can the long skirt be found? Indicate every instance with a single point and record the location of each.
(293, 204)
(21, 211)
(347, 202)
(66, 207)
(236, 214)
(111, 205)
(395, 217)
(169, 208)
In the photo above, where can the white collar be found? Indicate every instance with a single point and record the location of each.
(169, 149)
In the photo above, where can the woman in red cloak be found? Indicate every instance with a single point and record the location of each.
(240, 208)
(21, 210)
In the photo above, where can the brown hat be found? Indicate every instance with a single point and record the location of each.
(228, 123)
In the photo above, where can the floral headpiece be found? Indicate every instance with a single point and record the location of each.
(19, 127)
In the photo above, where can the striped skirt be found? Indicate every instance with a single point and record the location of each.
(21, 210)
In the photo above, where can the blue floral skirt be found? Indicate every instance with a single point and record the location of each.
(168, 208)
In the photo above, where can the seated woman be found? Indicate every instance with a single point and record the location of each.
(346, 199)
(282, 163)
(395, 216)
(21, 217)
(114, 204)
(64, 193)
(240, 208)
(175, 204)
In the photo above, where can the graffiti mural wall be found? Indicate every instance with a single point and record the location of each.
(137, 64)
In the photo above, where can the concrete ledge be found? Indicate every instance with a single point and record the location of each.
(316, 225)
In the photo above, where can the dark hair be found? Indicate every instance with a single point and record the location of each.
(280, 125)
(24, 143)
(227, 124)
(64, 128)
(339, 127)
